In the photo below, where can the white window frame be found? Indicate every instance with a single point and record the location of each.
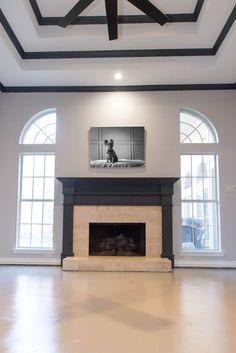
(203, 149)
(33, 149)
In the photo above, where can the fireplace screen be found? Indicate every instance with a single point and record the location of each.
(117, 239)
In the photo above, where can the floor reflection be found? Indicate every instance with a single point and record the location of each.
(33, 312)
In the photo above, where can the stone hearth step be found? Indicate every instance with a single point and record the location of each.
(113, 263)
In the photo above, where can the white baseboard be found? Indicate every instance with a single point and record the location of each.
(205, 263)
(29, 261)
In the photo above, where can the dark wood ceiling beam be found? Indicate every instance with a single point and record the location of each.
(127, 19)
(129, 53)
(112, 19)
(74, 12)
(118, 53)
(198, 9)
(225, 30)
(150, 10)
(15, 41)
(36, 10)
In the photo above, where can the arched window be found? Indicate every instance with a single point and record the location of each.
(41, 129)
(199, 183)
(195, 128)
(36, 183)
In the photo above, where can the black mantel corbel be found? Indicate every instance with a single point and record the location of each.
(118, 191)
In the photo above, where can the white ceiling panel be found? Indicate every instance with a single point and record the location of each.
(97, 8)
(15, 71)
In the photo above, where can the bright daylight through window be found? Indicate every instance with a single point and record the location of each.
(199, 185)
(37, 181)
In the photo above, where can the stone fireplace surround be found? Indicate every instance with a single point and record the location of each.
(117, 199)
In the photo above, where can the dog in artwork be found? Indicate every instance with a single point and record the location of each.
(111, 154)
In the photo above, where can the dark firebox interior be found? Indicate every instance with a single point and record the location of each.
(117, 239)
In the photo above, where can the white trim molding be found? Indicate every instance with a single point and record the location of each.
(34, 251)
(205, 263)
(30, 261)
(201, 253)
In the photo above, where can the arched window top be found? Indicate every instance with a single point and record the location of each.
(41, 129)
(196, 128)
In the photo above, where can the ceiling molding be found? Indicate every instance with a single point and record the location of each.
(229, 23)
(128, 19)
(136, 53)
(129, 88)
(11, 34)
(119, 53)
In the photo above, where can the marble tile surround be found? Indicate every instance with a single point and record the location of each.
(151, 215)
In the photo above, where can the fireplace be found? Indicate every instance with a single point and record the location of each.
(109, 203)
(117, 239)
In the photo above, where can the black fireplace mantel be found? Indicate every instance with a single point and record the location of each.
(118, 191)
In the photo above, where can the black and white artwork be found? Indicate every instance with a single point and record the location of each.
(117, 147)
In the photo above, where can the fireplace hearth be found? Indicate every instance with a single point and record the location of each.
(117, 239)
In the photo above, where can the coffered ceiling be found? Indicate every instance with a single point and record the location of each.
(196, 46)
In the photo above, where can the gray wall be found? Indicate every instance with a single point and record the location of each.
(128, 142)
(158, 112)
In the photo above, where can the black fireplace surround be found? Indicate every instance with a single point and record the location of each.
(118, 191)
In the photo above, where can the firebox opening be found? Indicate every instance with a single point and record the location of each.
(117, 239)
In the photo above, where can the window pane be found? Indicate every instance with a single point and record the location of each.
(195, 129)
(27, 188)
(185, 165)
(187, 229)
(195, 137)
(187, 211)
(51, 139)
(50, 165)
(38, 188)
(49, 189)
(199, 219)
(209, 189)
(25, 233)
(26, 211)
(36, 216)
(39, 165)
(210, 165)
(48, 213)
(46, 119)
(28, 165)
(47, 236)
(37, 212)
(205, 133)
(186, 188)
(30, 135)
(197, 166)
(41, 130)
(40, 138)
(49, 130)
(36, 236)
(197, 188)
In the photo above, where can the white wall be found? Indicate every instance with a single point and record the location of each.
(158, 112)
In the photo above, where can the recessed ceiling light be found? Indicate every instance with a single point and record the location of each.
(118, 76)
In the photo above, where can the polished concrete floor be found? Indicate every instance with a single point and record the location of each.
(45, 310)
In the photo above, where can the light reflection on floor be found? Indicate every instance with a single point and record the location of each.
(45, 310)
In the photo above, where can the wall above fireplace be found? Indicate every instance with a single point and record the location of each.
(118, 192)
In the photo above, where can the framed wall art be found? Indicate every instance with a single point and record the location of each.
(117, 147)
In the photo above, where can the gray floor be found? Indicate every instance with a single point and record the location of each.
(45, 310)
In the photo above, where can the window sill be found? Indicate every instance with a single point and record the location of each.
(201, 253)
(39, 251)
